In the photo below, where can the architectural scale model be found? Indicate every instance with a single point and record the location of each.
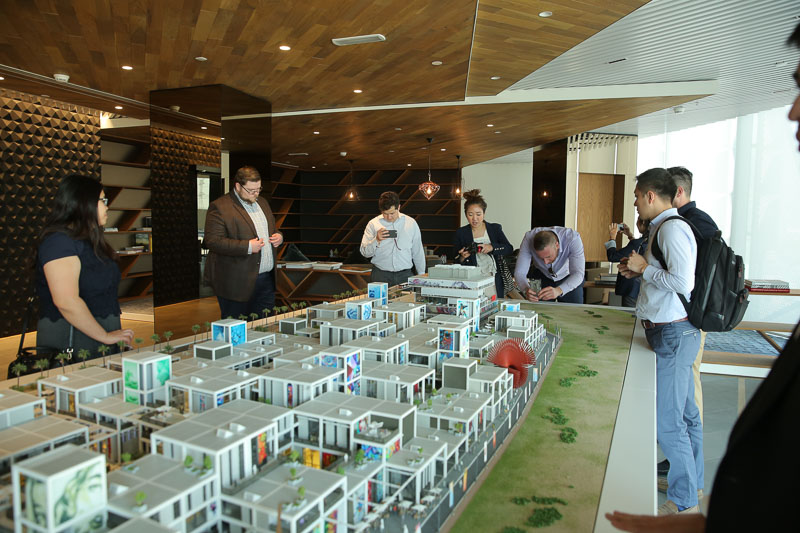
(346, 417)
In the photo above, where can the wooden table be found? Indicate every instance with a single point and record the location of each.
(308, 284)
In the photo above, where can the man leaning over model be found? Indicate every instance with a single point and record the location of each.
(558, 260)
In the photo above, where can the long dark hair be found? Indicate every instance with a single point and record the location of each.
(75, 213)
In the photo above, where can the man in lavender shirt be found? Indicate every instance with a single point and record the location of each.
(557, 255)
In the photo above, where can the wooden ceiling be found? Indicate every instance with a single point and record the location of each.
(90, 40)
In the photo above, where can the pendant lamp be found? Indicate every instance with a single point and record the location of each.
(351, 194)
(429, 188)
(458, 189)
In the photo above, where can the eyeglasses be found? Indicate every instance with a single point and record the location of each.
(104, 200)
(252, 191)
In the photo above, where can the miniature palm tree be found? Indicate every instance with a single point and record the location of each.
(266, 312)
(195, 330)
(253, 318)
(103, 349)
(41, 364)
(207, 325)
(84, 354)
(167, 335)
(167, 348)
(301, 493)
(120, 345)
(243, 317)
(155, 338)
(140, 497)
(138, 341)
(61, 358)
(18, 369)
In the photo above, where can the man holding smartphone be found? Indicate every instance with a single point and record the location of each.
(555, 256)
(394, 243)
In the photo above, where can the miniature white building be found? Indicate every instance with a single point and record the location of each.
(64, 490)
(344, 357)
(520, 325)
(239, 438)
(291, 325)
(64, 393)
(324, 312)
(144, 377)
(18, 407)
(496, 382)
(212, 350)
(37, 436)
(384, 350)
(300, 355)
(211, 387)
(397, 383)
(116, 413)
(344, 330)
(229, 330)
(403, 314)
(361, 309)
(294, 384)
(444, 285)
(453, 337)
(255, 506)
(178, 497)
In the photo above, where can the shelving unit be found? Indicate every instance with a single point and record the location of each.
(125, 160)
(311, 211)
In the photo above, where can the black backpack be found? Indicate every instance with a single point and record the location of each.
(719, 297)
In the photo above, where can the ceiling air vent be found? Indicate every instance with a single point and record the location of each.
(358, 39)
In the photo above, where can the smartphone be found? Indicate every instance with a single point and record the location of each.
(392, 233)
(620, 227)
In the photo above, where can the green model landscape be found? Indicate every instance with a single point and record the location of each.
(545, 457)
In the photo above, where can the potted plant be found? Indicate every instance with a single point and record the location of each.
(294, 479)
(430, 403)
(434, 392)
(448, 397)
(140, 498)
(207, 463)
(294, 457)
(340, 470)
(301, 496)
(360, 458)
(187, 463)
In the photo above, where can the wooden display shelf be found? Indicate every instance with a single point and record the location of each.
(141, 288)
(125, 164)
(307, 284)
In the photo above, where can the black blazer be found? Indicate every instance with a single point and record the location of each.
(627, 287)
(498, 240)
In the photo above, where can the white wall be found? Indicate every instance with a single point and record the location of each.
(507, 189)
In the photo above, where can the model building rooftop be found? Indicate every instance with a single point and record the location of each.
(81, 379)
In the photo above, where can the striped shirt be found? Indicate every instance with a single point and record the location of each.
(262, 229)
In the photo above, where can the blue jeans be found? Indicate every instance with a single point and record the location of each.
(679, 429)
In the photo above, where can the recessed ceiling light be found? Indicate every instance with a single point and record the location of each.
(398, 129)
(127, 67)
(285, 48)
(1, 78)
(498, 132)
(436, 63)
(489, 125)
(443, 149)
(117, 107)
(297, 153)
(391, 151)
(201, 58)
(316, 133)
(546, 14)
(203, 127)
(409, 164)
(222, 138)
(495, 78)
(357, 91)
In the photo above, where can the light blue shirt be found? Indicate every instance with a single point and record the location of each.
(658, 298)
(262, 230)
(568, 268)
(397, 254)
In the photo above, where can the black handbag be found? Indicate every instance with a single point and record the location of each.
(28, 356)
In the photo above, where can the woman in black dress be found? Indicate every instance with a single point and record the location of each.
(489, 238)
(77, 275)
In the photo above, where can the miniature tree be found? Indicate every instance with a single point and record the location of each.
(284, 308)
(430, 402)
(294, 306)
(167, 348)
(277, 311)
(266, 312)
(195, 330)
(155, 338)
(187, 461)
(360, 456)
(207, 463)
(434, 392)
(253, 318)
(103, 350)
(243, 317)
(138, 341)
(41, 364)
(294, 455)
(61, 358)
(207, 325)
(120, 345)
(293, 472)
(417, 402)
(301, 493)
(18, 369)
(419, 450)
(448, 396)
(84, 354)
(167, 336)
(125, 457)
(140, 497)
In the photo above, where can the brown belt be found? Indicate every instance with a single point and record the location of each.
(646, 324)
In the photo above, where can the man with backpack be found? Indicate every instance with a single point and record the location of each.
(670, 334)
(707, 228)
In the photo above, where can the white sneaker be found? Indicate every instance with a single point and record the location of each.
(669, 507)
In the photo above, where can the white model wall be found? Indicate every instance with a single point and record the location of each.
(507, 189)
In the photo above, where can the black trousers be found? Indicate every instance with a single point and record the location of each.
(392, 278)
(263, 297)
(575, 296)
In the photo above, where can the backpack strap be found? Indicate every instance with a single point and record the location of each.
(658, 254)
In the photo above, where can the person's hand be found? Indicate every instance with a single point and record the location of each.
(276, 239)
(550, 293)
(627, 231)
(383, 233)
(463, 254)
(675, 523)
(612, 231)
(636, 263)
(531, 295)
(113, 337)
(256, 245)
(485, 248)
(624, 270)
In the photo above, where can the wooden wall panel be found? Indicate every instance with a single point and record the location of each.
(39, 145)
(176, 252)
(596, 203)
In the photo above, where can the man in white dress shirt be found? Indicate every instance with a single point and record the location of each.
(670, 334)
(394, 243)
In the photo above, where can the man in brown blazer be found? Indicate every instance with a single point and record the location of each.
(241, 266)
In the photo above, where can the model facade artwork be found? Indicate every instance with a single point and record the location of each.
(346, 412)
